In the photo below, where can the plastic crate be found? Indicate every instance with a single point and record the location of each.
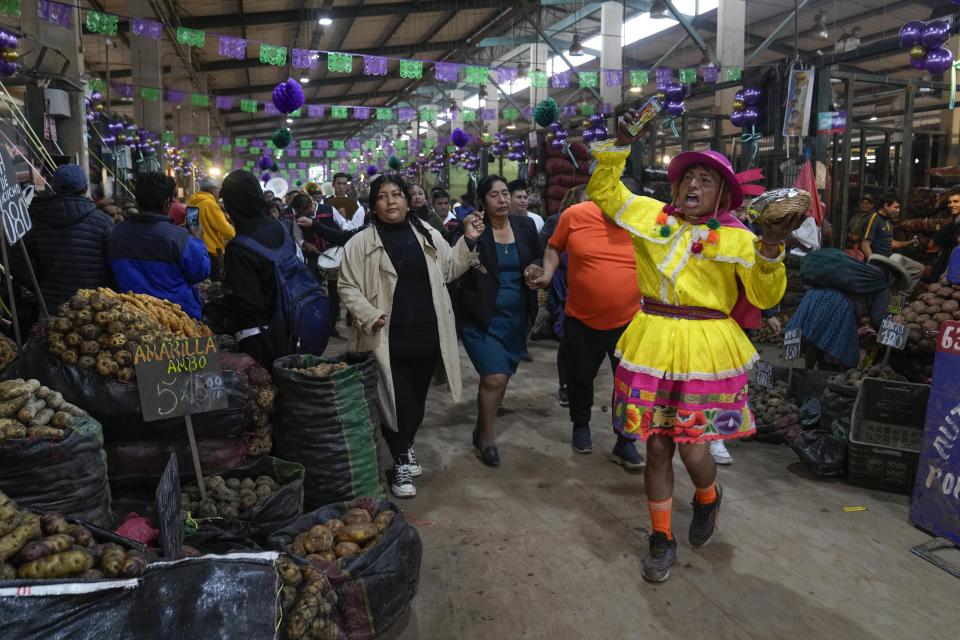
(886, 434)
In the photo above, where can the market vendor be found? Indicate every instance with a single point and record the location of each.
(878, 238)
(947, 237)
(682, 379)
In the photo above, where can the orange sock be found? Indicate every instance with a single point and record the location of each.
(708, 495)
(660, 513)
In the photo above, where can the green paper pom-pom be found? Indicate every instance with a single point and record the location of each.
(665, 231)
(299, 183)
(281, 138)
(713, 224)
(546, 112)
(394, 163)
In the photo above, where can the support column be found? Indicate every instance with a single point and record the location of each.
(72, 130)
(147, 71)
(538, 62)
(611, 49)
(491, 101)
(731, 35)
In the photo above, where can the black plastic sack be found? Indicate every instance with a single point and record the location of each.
(67, 476)
(822, 452)
(116, 405)
(138, 464)
(810, 413)
(375, 588)
(279, 510)
(224, 597)
(329, 425)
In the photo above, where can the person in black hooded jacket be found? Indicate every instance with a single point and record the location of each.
(67, 242)
(250, 279)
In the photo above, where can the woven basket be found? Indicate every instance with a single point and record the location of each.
(796, 202)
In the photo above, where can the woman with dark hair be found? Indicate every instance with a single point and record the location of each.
(496, 305)
(393, 280)
(421, 208)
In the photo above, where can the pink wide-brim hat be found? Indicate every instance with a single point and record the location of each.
(736, 182)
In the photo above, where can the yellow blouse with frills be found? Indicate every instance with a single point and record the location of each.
(668, 271)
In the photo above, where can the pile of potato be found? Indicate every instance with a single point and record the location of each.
(359, 530)
(939, 303)
(853, 377)
(307, 602)
(30, 410)
(776, 412)
(101, 329)
(228, 498)
(766, 335)
(8, 351)
(260, 439)
(324, 369)
(35, 547)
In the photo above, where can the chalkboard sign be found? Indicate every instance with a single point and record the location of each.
(765, 374)
(169, 510)
(791, 344)
(936, 494)
(13, 210)
(179, 378)
(892, 333)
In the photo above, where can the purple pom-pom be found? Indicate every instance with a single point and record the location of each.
(288, 96)
(265, 163)
(372, 170)
(265, 176)
(460, 138)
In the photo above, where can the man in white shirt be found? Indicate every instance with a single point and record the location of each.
(341, 188)
(518, 203)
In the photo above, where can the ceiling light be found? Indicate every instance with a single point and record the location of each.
(873, 118)
(511, 126)
(820, 30)
(659, 9)
(325, 21)
(576, 47)
(304, 80)
(289, 120)
(705, 125)
(636, 89)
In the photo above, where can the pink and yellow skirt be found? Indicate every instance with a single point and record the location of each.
(683, 410)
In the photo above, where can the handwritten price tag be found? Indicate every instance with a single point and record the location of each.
(791, 344)
(765, 374)
(892, 333)
(179, 378)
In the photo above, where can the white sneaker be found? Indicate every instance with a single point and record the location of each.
(415, 469)
(719, 452)
(402, 486)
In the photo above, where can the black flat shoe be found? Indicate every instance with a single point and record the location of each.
(489, 456)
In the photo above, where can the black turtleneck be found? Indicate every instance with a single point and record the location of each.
(413, 310)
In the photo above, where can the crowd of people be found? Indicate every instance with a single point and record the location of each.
(663, 292)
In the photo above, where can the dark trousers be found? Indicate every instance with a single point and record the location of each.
(562, 364)
(584, 349)
(413, 357)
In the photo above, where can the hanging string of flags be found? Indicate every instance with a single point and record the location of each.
(108, 25)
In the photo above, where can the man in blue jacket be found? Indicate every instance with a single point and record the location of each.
(149, 254)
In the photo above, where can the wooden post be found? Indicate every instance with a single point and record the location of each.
(195, 455)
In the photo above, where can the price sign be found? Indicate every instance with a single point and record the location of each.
(179, 378)
(791, 344)
(169, 510)
(936, 494)
(892, 333)
(765, 374)
(13, 210)
(895, 306)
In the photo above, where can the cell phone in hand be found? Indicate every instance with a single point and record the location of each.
(193, 217)
(647, 113)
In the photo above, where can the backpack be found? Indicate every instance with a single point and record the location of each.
(301, 320)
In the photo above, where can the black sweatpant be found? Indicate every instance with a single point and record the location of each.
(413, 357)
(584, 349)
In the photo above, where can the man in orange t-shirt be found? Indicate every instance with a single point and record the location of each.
(602, 298)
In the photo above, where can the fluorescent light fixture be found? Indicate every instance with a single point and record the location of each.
(511, 126)
(289, 120)
(873, 118)
(304, 80)
(636, 89)
(325, 21)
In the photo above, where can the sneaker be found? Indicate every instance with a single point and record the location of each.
(719, 452)
(656, 566)
(415, 469)
(581, 440)
(562, 396)
(626, 455)
(704, 522)
(402, 486)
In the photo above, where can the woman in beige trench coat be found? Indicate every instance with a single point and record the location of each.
(393, 281)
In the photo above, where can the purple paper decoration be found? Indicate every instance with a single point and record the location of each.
(302, 165)
(223, 140)
(55, 13)
(123, 90)
(446, 71)
(488, 114)
(664, 77)
(187, 138)
(235, 48)
(374, 66)
(606, 108)
(317, 153)
(354, 143)
(224, 103)
(710, 74)
(527, 112)
(304, 58)
(406, 114)
(175, 96)
(612, 77)
(560, 80)
(269, 107)
(147, 28)
(506, 75)
(569, 110)
(323, 144)
(361, 113)
(316, 110)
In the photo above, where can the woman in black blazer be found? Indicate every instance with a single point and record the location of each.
(496, 304)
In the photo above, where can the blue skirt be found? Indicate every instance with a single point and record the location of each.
(826, 319)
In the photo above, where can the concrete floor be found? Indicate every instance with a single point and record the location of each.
(549, 545)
